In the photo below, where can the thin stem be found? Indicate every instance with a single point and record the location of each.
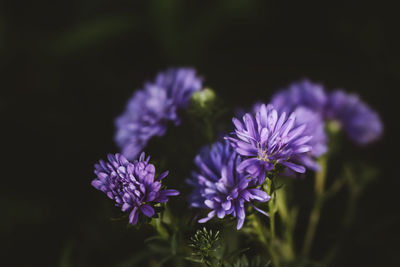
(259, 230)
(262, 234)
(272, 236)
(315, 215)
(288, 218)
(272, 219)
(271, 208)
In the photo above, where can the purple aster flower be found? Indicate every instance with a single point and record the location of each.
(219, 187)
(315, 127)
(303, 93)
(179, 84)
(268, 139)
(360, 123)
(307, 100)
(150, 109)
(131, 185)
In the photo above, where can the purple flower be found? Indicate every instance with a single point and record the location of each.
(179, 85)
(315, 127)
(219, 187)
(268, 139)
(150, 109)
(360, 123)
(307, 100)
(131, 185)
(303, 93)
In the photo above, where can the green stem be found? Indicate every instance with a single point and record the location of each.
(271, 244)
(288, 218)
(259, 230)
(271, 208)
(319, 188)
(272, 219)
(262, 235)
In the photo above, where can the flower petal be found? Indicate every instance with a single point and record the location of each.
(147, 210)
(134, 216)
(295, 167)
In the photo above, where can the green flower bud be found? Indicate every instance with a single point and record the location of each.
(203, 98)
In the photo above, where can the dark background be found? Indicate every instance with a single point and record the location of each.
(68, 67)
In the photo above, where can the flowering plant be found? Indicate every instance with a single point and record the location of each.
(246, 174)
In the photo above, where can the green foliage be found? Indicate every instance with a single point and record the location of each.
(358, 176)
(204, 246)
(184, 41)
(87, 35)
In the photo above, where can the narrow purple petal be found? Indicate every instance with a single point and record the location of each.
(210, 215)
(237, 124)
(259, 210)
(147, 210)
(133, 216)
(259, 195)
(162, 176)
(246, 163)
(240, 223)
(170, 192)
(295, 167)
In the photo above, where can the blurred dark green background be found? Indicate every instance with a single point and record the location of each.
(68, 67)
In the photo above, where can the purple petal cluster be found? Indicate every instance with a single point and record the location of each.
(360, 123)
(268, 139)
(131, 185)
(150, 110)
(219, 187)
(315, 127)
(303, 93)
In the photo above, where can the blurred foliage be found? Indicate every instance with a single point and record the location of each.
(256, 261)
(92, 33)
(179, 33)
